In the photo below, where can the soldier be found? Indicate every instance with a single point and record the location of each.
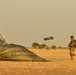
(72, 46)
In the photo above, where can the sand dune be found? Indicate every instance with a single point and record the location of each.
(60, 64)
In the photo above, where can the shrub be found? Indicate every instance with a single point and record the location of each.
(35, 45)
(53, 47)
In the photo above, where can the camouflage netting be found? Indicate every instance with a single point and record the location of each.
(17, 53)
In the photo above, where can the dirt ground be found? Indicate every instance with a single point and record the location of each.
(60, 64)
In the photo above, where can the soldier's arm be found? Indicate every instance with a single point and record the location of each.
(70, 44)
(75, 44)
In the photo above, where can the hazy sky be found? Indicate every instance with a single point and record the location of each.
(27, 21)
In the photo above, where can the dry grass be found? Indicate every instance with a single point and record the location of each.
(60, 64)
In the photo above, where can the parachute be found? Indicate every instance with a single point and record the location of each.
(2, 40)
(13, 52)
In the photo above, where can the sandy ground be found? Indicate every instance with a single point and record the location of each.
(60, 64)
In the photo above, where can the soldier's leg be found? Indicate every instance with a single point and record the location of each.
(74, 54)
(71, 56)
(71, 53)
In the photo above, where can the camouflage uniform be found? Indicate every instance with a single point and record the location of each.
(72, 46)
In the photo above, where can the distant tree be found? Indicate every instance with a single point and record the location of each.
(42, 46)
(53, 47)
(47, 47)
(35, 45)
(60, 47)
